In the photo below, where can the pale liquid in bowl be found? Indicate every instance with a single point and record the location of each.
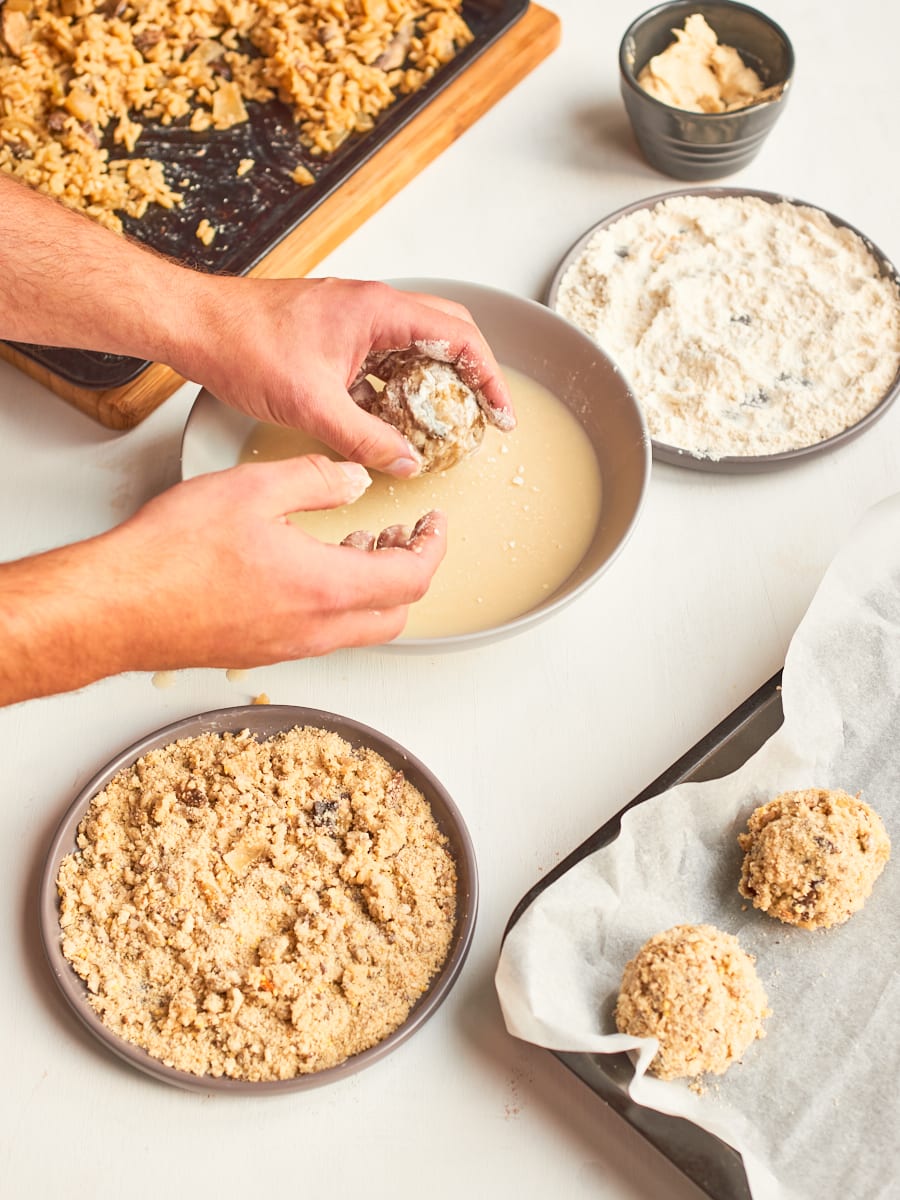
(521, 512)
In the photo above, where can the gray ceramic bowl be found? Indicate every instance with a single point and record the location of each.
(265, 721)
(539, 343)
(701, 146)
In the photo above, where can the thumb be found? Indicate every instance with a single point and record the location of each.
(363, 438)
(303, 484)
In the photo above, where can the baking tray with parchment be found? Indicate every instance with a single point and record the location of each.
(255, 213)
(713, 1166)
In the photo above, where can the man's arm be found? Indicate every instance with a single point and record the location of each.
(209, 574)
(282, 350)
(65, 281)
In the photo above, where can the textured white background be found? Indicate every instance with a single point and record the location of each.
(540, 739)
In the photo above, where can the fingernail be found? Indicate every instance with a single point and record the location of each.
(360, 539)
(392, 538)
(426, 526)
(404, 467)
(503, 418)
(358, 478)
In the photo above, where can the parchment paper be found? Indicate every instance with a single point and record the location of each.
(815, 1105)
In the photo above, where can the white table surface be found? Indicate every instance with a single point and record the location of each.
(539, 738)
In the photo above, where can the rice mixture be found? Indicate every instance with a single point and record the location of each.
(80, 78)
(744, 327)
(257, 910)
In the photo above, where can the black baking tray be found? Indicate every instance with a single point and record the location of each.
(715, 1167)
(253, 213)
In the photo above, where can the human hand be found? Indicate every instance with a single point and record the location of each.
(212, 573)
(287, 351)
(282, 350)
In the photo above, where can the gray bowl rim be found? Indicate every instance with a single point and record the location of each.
(734, 464)
(702, 118)
(470, 641)
(269, 720)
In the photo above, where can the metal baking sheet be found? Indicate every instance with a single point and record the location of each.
(253, 213)
(749, 463)
(711, 1164)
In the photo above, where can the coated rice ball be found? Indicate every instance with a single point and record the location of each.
(694, 989)
(437, 413)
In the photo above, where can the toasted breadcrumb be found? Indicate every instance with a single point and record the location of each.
(258, 910)
(206, 232)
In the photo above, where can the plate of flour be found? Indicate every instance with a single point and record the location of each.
(754, 329)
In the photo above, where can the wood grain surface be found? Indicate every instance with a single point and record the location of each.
(504, 64)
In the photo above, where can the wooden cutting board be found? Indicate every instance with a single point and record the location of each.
(495, 72)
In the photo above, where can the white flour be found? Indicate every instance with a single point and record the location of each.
(744, 327)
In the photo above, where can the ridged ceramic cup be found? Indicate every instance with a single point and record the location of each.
(702, 146)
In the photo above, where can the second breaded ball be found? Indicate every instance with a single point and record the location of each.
(811, 857)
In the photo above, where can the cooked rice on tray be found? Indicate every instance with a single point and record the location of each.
(72, 72)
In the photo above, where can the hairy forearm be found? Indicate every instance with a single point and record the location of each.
(66, 281)
(61, 623)
(177, 586)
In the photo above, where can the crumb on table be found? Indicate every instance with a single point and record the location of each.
(206, 232)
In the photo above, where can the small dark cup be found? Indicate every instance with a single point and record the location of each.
(701, 146)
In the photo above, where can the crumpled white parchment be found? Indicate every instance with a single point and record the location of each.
(815, 1106)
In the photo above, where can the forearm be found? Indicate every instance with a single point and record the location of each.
(62, 624)
(209, 574)
(66, 281)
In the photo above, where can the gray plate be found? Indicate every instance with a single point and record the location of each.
(265, 721)
(745, 463)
